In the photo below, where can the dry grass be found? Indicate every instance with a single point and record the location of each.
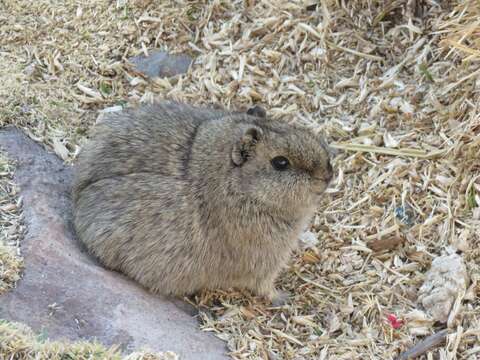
(393, 86)
(19, 343)
(11, 228)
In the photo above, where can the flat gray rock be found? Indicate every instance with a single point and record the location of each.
(65, 294)
(161, 64)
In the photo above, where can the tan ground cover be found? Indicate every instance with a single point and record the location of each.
(395, 87)
(20, 343)
(11, 227)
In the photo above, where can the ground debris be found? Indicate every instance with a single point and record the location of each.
(445, 281)
(11, 227)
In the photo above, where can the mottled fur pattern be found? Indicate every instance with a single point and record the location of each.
(181, 198)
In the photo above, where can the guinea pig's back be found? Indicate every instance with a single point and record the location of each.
(154, 139)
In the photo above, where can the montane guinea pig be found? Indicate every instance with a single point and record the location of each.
(181, 198)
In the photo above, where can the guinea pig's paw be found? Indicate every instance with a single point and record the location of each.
(279, 298)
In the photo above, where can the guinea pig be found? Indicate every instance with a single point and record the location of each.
(181, 198)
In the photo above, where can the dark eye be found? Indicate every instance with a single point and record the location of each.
(280, 163)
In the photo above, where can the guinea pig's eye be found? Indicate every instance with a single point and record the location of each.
(280, 163)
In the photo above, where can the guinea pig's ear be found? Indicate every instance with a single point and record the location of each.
(243, 147)
(257, 111)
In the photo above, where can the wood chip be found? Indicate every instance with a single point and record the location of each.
(424, 346)
(388, 243)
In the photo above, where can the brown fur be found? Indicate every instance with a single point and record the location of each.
(181, 199)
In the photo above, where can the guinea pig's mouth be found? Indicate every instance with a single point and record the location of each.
(325, 179)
